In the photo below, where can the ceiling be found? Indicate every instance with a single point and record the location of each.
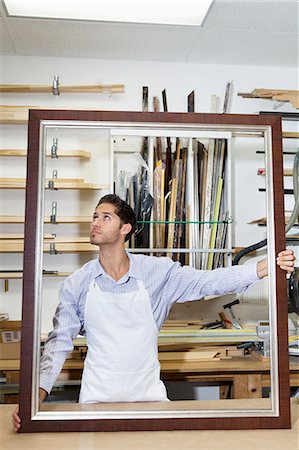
(254, 33)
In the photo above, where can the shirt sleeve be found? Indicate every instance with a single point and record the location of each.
(59, 344)
(186, 283)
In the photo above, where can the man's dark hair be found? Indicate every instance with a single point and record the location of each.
(122, 209)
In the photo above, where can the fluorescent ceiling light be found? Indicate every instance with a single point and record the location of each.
(172, 12)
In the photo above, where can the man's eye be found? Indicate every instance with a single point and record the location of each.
(106, 217)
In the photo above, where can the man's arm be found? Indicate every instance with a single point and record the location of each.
(60, 340)
(186, 283)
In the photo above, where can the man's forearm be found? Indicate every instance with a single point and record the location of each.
(262, 268)
(42, 394)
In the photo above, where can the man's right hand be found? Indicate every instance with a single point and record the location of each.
(16, 420)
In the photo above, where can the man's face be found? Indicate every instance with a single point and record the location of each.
(106, 226)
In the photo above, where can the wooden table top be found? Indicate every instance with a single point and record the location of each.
(144, 440)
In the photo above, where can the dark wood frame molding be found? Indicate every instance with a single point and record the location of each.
(30, 424)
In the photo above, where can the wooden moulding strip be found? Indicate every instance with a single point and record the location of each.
(200, 355)
(290, 135)
(19, 275)
(60, 154)
(62, 219)
(47, 237)
(286, 172)
(291, 96)
(20, 183)
(14, 114)
(15, 236)
(36, 89)
(65, 247)
(263, 220)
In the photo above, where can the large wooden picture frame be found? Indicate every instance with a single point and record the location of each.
(33, 420)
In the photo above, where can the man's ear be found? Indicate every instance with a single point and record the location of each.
(126, 228)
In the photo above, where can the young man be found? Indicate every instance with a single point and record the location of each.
(120, 301)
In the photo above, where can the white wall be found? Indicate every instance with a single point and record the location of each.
(178, 79)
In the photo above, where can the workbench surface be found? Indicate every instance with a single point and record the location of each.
(159, 440)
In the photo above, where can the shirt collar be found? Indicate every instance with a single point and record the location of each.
(133, 272)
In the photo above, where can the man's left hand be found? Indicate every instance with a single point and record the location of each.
(286, 260)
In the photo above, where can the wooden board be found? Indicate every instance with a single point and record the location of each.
(290, 135)
(60, 154)
(199, 355)
(286, 172)
(65, 247)
(59, 219)
(58, 183)
(84, 89)
(14, 114)
(280, 95)
(19, 275)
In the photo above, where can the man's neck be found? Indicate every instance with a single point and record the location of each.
(114, 261)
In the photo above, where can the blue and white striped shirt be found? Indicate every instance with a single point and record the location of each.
(166, 281)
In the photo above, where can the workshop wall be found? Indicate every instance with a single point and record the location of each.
(179, 80)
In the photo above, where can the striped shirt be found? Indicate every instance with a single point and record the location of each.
(166, 281)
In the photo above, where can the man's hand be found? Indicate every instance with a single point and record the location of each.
(285, 260)
(16, 419)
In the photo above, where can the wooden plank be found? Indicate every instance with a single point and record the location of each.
(178, 211)
(19, 275)
(280, 95)
(60, 154)
(254, 384)
(208, 201)
(181, 227)
(172, 209)
(263, 220)
(227, 97)
(168, 168)
(158, 146)
(240, 386)
(286, 172)
(68, 247)
(84, 89)
(158, 201)
(20, 183)
(14, 114)
(214, 225)
(58, 180)
(290, 135)
(191, 102)
(20, 236)
(188, 356)
(59, 219)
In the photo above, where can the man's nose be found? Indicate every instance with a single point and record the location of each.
(97, 222)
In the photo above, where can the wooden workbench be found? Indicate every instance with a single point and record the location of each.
(239, 377)
(159, 440)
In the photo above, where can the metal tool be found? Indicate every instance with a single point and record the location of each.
(235, 323)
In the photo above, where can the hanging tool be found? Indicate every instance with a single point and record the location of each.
(235, 323)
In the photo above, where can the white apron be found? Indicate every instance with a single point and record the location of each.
(122, 359)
